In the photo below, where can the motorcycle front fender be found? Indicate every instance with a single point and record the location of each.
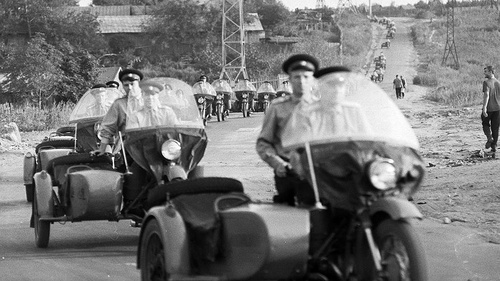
(175, 172)
(396, 208)
(174, 237)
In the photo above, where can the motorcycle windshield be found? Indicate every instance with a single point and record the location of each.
(266, 88)
(172, 114)
(348, 107)
(94, 104)
(202, 88)
(222, 86)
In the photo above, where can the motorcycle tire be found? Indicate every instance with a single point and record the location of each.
(158, 195)
(219, 113)
(398, 242)
(152, 253)
(42, 228)
(244, 109)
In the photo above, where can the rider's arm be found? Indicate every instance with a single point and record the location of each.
(113, 121)
(268, 142)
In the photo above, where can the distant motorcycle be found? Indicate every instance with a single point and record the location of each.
(224, 91)
(265, 94)
(245, 92)
(204, 94)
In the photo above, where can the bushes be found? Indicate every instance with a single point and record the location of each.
(30, 118)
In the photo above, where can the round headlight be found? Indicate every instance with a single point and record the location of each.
(382, 174)
(220, 96)
(266, 96)
(244, 96)
(171, 149)
(201, 99)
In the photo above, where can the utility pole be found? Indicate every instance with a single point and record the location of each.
(450, 48)
(233, 41)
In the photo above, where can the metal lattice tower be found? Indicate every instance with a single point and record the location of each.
(346, 4)
(450, 48)
(233, 41)
(320, 4)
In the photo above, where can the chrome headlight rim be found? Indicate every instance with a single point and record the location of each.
(201, 99)
(382, 174)
(244, 95)
(171, 149)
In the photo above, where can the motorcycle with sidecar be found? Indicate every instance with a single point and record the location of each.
(224, 91)
(204, 95)
(64, 140)
(245, 92)
(360, 156)
(265, 94)
(84, 186)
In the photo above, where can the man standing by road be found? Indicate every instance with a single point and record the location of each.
(301, 70)
(397, 84)
(403, 89)
(490, 115)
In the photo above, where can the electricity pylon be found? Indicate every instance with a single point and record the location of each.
(492, 3)
(450, 47)
(233, 41)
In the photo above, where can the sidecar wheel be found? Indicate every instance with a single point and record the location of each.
(158, 195)
(29, 192)
(152, 255)
(42, 228)
(402, 252)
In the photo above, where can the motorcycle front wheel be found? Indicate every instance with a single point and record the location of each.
(244, 108)
(152, 255)
(220, 116)
(402, 252)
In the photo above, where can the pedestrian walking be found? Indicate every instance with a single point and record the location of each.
(403, 89)
(490, 115)
(397, 84)
(289, 186)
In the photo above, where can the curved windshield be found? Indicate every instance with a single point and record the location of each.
(347, 107)
(222, 86)
(204, 89)
(266, 88)
(94, 103)
(173, 106)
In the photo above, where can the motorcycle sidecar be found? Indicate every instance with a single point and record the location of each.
(75, 187)
(223, 236)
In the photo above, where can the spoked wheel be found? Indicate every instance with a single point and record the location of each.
(42, 228)
(403, 256)
(152, 255)
(244, 109)
(220, 116)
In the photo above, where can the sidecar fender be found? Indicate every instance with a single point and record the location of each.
(396, 208)
(174, 237)
(43, 194)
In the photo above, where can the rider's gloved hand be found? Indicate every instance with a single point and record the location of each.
(102, 149)
(282, 169)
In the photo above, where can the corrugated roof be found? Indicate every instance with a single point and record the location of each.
(122, 24)
(255, 25)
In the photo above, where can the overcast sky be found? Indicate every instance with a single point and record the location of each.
(293, 4)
